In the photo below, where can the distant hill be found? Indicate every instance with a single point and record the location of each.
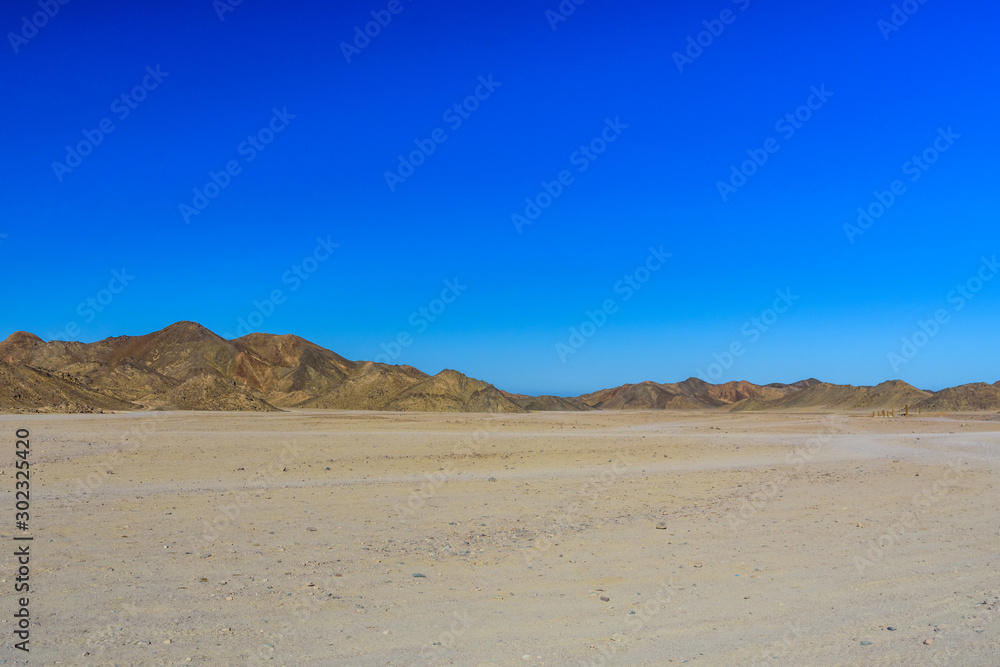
(187, 367)
(548, 403)
(808, 394)
(887, 395)
(965, 398)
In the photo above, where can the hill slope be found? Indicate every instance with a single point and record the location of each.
(187, 367)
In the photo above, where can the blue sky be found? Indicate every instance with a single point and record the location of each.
(599, 100)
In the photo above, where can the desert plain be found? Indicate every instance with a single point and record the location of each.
(549, 538)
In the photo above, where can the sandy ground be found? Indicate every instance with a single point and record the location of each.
(544, 539)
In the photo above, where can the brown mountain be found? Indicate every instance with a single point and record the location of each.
(187, 367)
(964, 398)
(548, 403)
(823, 395)
(24, 389)
(690, 394)
(450, 391)
(808, 394)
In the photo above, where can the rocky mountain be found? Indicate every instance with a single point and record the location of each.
(974, 397)
(810, 394)
(548, 403)
(187, 367)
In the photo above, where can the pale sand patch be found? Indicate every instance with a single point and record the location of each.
(793, 536)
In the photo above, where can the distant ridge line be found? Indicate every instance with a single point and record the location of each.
(188, 367)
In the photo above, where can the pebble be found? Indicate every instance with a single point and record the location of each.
(928, 642)
(605, 598)
(417, 575)
(891, 629)
(866, 643)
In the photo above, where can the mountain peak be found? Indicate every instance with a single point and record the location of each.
(23, 338)
(186, 331)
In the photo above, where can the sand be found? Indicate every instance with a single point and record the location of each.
(631, 538)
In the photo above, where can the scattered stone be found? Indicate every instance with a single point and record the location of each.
(928, 642)
(605, 598)
(891, 629)
(661, 527)
(492, 479)
(417, 575)
(866, 643)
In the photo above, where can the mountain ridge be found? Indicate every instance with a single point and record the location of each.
(186, 366)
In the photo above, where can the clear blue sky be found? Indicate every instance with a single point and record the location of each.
(323, 175)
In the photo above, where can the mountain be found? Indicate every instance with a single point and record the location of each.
(187, 367)
(450, 391)
(964, 398)
(548, 403)
(691, 394)
(811, 394)
(823, 395)
(25, 389)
